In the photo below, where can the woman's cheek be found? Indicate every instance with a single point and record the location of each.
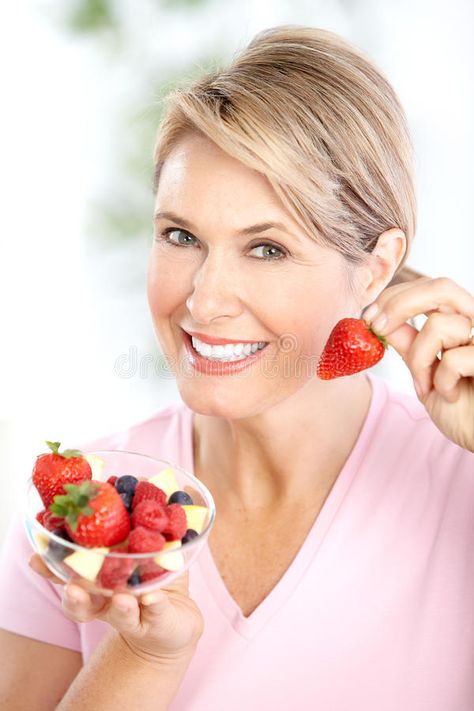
(165, 282)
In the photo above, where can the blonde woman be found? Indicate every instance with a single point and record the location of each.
(340, 571)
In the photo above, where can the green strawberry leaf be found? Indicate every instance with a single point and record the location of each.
(74, 502)
(69, 453)
(382, 339)
(54, 446)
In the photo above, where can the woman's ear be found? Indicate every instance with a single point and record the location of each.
(381, 265)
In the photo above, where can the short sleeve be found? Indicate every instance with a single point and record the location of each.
(30, 605)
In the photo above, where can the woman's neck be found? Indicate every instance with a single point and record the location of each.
(289, 455)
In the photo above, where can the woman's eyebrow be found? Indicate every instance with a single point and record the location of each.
(251, 230)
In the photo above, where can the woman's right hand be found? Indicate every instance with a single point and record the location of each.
(161, 625)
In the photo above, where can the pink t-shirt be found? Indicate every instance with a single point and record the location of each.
(376, 611)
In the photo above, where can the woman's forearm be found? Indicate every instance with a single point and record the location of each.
(117, 677)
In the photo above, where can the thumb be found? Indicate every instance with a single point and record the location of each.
(402, 338)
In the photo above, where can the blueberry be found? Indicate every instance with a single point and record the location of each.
(56, 551)
(126, 483)
(134, 579)
(180, 497)
(127, 498)
(189, 535)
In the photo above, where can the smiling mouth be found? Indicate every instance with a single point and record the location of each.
(228, 353)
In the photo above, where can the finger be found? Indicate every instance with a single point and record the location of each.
(387, 293)
(37, 564)
(440, 332)
(79, 605)
(123, 613)
(421, 298)
(455, 364)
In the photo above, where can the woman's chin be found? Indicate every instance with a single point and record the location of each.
(214, 404)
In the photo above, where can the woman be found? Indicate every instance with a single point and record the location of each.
(339, 572)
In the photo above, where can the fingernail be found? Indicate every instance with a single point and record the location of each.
(379, 322)
(123, 607)
(151, 598)
(371, 311)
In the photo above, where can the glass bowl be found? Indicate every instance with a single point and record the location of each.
(100, 570)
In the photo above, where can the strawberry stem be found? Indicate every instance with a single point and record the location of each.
(68, 453)
(54, 446)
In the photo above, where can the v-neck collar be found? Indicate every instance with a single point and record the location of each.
(249, 626)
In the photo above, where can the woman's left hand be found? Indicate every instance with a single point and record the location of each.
(445, 385)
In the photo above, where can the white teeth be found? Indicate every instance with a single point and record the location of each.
(227, 352)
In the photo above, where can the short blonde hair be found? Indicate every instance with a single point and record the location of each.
(314, 115)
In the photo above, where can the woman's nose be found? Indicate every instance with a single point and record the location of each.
(215, 292)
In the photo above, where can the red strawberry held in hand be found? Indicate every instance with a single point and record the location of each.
(54, 469)
(351, 347)
(94, 514)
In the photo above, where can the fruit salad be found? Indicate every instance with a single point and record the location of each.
(112, 530)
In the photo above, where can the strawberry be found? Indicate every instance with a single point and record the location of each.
(150, 514)
(144, 491)
(177, 523)
(351, 347)
(54, 469)
(94, 514)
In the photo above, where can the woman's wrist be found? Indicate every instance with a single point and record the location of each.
(137, 654)
(119, 671)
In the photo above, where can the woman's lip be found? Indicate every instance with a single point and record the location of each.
(217, 341)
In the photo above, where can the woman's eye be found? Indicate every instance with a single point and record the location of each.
(178, 237)
(270, 251)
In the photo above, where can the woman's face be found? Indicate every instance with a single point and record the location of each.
(217, 267)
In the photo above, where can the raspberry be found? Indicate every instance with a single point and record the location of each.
(150, 514)
(149, 570)
(145, 491)
(142, 540)
(112, 479)
(177, 523)
(115, 572)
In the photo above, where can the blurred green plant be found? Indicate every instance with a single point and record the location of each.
(123, 212)
(90, 16)
(126, 212)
